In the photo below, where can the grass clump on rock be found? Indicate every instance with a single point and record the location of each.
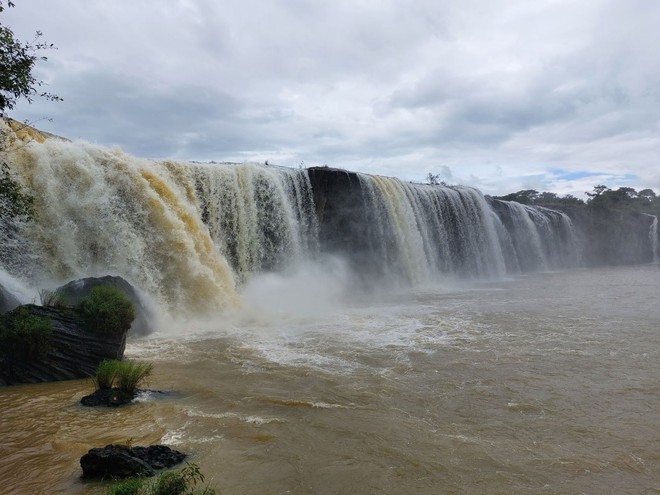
(181, 482)
(117, 382)
(106, 373)
(52, 298)
(107, 311)
(131, 374)
(24, 335)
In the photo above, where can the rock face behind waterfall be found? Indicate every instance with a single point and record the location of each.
(341, 215)
(75, 350)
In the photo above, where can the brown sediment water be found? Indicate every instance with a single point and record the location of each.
(544, 384)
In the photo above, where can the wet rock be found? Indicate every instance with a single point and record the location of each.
(123, 461)
(75, 351)
(107, 398)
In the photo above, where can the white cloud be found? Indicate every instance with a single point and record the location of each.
(498, 93)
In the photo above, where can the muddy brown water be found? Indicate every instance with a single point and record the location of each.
(545, 384)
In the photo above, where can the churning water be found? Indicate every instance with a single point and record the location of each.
(542, 384)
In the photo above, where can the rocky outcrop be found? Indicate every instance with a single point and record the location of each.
(75, 350)
(120, 461)
(345, 222)
(75, 291)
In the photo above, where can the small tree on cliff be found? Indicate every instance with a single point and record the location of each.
(17, 61)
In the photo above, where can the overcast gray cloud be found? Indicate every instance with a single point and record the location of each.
(503, 95)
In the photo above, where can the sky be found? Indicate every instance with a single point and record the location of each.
(552, 95)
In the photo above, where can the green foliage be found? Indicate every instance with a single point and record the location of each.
(17, 60)
(107, 311)
(106, 373)
(52, 298)
(533, 197)
(122, 375)
(624, 199)
(14, 203)
(25, 336)
(602, 200)
(130, 486)
(181, 482)
(130, 374)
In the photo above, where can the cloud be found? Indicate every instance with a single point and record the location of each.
(500, 93)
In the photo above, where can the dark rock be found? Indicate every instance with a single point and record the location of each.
(7, 300)
(107, 397)
(123, 461)
(75, 350)
(115, 398)
(345, 219)
(75, 291)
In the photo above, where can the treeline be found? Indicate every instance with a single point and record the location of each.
(601, 198)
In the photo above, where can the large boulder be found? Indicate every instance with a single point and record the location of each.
(121, 461)
(75, 291)
(74, 352)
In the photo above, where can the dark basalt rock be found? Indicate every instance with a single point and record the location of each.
(123, 461)
(76, 290)
(75, 350)
(115, 398)
(107, 397)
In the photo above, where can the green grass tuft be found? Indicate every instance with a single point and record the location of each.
(106, 373)
(130, 486)
(25, 336)
(53, 298)
(123, 375)
(107, 311)
(131, 374)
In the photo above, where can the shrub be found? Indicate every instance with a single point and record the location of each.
(122, 375)
(23, 335)
(53, 298)
(181, 482)
(130, 374)
(106, 372)
(107, 311)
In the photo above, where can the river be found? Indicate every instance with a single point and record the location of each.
(539, 384)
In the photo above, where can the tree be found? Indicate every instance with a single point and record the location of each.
(17, 61)
(598, 190)
(433, 179)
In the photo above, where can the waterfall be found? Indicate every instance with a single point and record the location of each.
(653, 238)
(420, 232)
(260, 217)
(186, 234)
(540, 238)
(190, 234)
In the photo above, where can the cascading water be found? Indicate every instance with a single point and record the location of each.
(541, 238)
(188, 233)
(422, 231)
(653, 238)
(167, 227)
(260, 217)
